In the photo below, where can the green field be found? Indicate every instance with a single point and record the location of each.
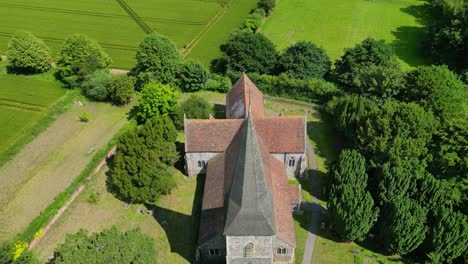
(336, 24)
(120, 25)
(24, 101)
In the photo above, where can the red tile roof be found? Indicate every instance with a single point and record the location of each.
(244, 93)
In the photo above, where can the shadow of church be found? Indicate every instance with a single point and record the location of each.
(181, 229)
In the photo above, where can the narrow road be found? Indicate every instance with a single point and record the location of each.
(316, 208)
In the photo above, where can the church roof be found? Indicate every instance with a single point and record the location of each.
(250, 210)
(242, 94)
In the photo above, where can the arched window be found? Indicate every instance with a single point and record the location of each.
(281, 251)
(249, 250)
(201, 163)
(291, 162)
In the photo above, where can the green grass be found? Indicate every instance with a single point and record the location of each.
(118, 31)
(24, 101)
(336, 25)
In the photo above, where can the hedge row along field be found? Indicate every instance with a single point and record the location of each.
(119, 25)
(337, 24)
(23, 102)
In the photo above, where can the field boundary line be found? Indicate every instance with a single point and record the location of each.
(134, 16)
(202, 33)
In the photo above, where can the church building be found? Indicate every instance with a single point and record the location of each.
(247, 208)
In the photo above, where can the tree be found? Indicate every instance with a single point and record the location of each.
(95, 85)
(394, 181)
(370, 69)
(191, 76)
(350, 168)
(121, 89)
(436, 88)
(16, 253)
(402, 226)
(195, 107)
(108, 246)
(304, 60)
(28, 54)
(156, 99)
(250, 52)
(267, 5)
(351, 211)
(448, 238)
(431, 193)
(140, 173)
(80, 56)
(157, 60)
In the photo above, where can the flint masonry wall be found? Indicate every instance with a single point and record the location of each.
(192, 159)
(262, 253)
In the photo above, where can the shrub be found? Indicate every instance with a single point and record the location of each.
(191, 76)
(85, 116)
(194, 107)
(254, 20)
(250, 52)
(121, 89)
(95, 85)
(28, 54)
(80, 56)
(304, 60)
(217, 83)
(93, 197)
(267, 5)
(156, 99)
(157, 60)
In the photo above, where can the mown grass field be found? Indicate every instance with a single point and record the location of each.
(24, 101)
(119, 25)
(336, 25)
(49, 163)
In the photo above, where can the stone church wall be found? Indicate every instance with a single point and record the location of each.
(299, 164)
(193, 160)
(282, 258)
(262, 253)
(217, 246)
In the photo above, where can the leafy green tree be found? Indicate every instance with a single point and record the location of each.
(217, 83)
(402, 226)
(140, 173)
(157, 60)
(156, 99)
(350, 168)
(194, 107)
(250, 52)
(121, 89)
(370, 69)
(436, 88)
(28, 54)
(431, 192)
(304, 60)
(191, 76)
(95, 85)
(9, 254)
(80, 56)
(448, 237)
(254, 20)
(108, 246)
(395, 179)
(267, 5)
(351, 211)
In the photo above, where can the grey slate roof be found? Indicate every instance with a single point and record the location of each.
(249, 202)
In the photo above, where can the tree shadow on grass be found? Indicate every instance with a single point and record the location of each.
(181, 229)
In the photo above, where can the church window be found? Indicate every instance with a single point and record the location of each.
(249, 250)
(291, 162)
(212, 252)
(215, 252)
(201, 163)
(281, 251)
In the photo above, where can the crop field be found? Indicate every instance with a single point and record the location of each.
(119, 25)
(46, 166)
(336, 25)
(23, 101)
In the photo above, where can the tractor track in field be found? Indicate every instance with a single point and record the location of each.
(22, 106)
(107, 15)
(134, 16)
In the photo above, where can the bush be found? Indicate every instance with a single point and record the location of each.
(250, 52)
(79, 57)
(267, 5)
(28, 54)
(121, 89)
(85, 116)
(157, 60)
(191, 76)
(217, 83)
(156, 99)
(304, 60)
(95, 85)
(254, 20)
(194, 107)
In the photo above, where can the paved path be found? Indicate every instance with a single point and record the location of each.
(315, 207)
